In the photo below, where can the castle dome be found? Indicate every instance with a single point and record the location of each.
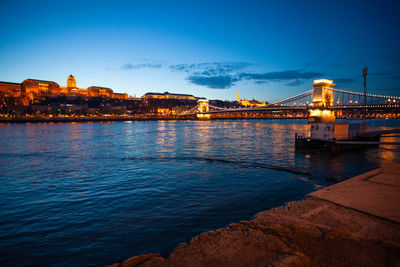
(71, 82)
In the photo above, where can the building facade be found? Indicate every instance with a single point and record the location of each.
(11, 93)
(31, 89)
(168, 95)
(39, 87)
(250, 103)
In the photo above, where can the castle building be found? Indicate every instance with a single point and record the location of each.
(39, 87)
(71, 82)
(250, 103)
(32, 89)
(10, 89)
(12, 93)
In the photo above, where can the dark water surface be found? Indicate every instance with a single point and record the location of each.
(90, 194)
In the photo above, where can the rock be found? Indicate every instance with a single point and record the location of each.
(312, 232)
(154, 262)
(137, 260)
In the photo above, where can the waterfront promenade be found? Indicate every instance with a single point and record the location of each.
(352, 223)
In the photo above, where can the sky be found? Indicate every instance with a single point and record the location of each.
(266, 50)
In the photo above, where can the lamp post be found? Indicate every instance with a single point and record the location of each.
(365, 72)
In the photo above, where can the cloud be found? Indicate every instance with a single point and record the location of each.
(223, 75)
(215, 82)
(180, 67)
(215, 75)
(211, 69)
(129, 66)
(279, 76)
(260, 82)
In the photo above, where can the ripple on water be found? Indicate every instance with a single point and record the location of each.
(97, 193)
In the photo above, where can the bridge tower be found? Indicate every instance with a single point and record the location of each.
(323, 93)
(203, 106)
(322, 98)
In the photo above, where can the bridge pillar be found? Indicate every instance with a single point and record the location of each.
(322, 98)
(203, 106)
(323, 93)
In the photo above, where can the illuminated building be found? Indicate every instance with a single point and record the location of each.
(32, 89)
(250, 103)
(37, 88)
(71, 81)
(120, 96)
(12, 93)
(165, 111)
(99, 91)
(10, 89)
(167, 95)
(71, 88)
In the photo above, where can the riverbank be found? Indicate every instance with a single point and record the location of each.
(352, 223)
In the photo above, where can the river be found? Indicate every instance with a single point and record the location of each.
(90, 194)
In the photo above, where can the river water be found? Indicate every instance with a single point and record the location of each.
(91, 194)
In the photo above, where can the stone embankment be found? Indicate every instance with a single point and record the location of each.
(352, 223)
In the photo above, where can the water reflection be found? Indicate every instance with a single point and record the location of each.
(388, 152)
(166, 136)
(65, 187)
(202, 137)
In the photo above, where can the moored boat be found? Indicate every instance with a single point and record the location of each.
(325, 133)
(336, 136)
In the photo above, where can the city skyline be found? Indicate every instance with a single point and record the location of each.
(264, 50)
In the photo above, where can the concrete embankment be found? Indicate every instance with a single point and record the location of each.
(352, 223)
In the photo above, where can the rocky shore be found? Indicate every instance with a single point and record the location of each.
(332, 227)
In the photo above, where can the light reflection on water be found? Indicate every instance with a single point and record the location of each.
(97, 193)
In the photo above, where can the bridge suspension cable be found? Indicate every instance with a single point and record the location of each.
(217, 108)
(348, 98)
(292, 99)
(191, 111)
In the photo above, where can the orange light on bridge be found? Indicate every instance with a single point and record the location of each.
(323, 81)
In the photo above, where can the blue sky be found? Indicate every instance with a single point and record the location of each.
(266, 50)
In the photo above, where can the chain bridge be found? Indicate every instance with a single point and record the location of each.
(322, 96)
